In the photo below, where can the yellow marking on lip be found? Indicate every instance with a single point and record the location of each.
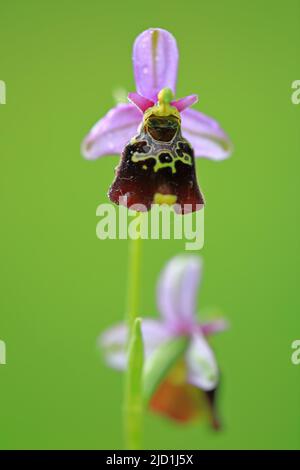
(140, 157)
(168, 199)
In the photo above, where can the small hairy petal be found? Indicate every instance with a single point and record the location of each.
(177, 290)
(110, 135)
(205, 135)
(185, 102)
(155, 61)
(139, 101)
(113, 342)
(201, 364)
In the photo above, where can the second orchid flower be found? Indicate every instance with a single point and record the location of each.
(188, 390)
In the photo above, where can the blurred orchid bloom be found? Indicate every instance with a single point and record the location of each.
(188, 390)
(157, 135)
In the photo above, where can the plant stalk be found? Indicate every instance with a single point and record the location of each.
(133, 393)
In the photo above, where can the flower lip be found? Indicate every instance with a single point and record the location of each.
(148, 167)
(182, 402)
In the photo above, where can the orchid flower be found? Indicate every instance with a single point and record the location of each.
(188, 391)
(157, 135)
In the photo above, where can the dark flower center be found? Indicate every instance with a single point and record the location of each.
(162, 129)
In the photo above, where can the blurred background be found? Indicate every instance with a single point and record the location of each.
(61, 286)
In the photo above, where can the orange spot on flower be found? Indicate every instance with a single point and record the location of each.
(180, 401)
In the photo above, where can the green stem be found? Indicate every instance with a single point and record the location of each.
(134, 268)
(133, 410)
(133, 396)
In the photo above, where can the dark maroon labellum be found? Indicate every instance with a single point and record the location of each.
(157, 161)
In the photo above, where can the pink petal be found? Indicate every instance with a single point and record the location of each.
(214, 326)
(139, 101)
(155, 60)
(205, 135)
(113, 342)
(177, 291)
(201, 363)
(110, 135)
(155, 333)
(185, 102)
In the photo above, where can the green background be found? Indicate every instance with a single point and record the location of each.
(61, 286)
